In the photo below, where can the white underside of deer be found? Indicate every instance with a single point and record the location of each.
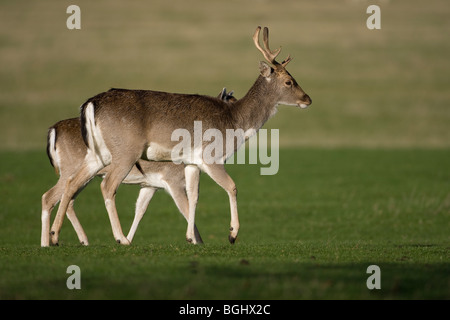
(119, 126)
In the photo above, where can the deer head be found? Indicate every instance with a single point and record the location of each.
(284, 85)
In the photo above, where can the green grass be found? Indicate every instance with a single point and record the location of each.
(309, 232)
(364, 173)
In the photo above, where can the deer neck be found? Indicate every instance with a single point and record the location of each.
(257, 106)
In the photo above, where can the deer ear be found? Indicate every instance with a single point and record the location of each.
(265, 69)
(222, 94)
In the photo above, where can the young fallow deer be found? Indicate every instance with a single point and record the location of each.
(67, 151)
(122, 126)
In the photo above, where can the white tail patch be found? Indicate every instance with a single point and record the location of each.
(96, 143)
(52, 150)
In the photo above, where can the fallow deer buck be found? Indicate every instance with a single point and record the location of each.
(67, 151)
(122, 126)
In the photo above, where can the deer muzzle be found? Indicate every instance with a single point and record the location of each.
(305, 102)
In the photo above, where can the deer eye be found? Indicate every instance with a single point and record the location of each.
(288, 83)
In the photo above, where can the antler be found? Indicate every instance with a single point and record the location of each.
(267, 53)
(286, 61)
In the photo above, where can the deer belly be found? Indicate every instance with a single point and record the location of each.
(156, 152)
(148, 179)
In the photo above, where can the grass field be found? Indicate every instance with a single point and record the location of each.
(310, 240)
(364, 174)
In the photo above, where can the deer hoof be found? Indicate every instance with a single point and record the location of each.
(123, 241)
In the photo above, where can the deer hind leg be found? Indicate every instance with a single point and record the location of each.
(71, 215)
(73, 186)
(145, 195)
(48, 206)
(192, 174)
(117, 172)
(49, 201)
(220, 176)
(179, 196)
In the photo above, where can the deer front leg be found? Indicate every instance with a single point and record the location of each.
(192, 174)
(220, 176)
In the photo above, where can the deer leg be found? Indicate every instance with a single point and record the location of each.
(49, 201)
(192, 174)
(220, 176)
(71, 215)
(145, 195)
(109, 186)
(179, 196)
(73, 186)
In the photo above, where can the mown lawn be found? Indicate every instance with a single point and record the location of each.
(363, 176)
(308, 232)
